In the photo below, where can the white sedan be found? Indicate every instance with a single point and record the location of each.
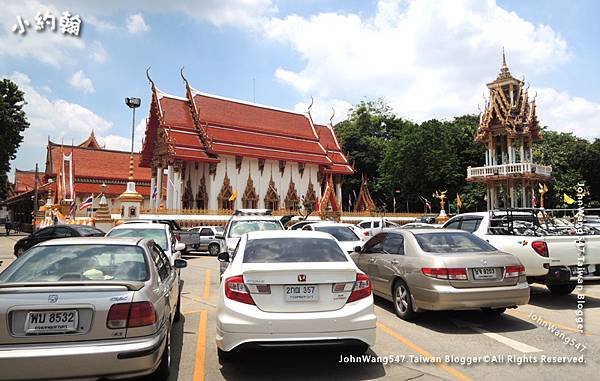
(344, 233)
(288, 287)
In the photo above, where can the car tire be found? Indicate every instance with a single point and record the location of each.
(213, 249)
(561, 289)
(224, 357)
(164, 368)
(403, 301)
(177, 316)
(493, 311)
(20, 252)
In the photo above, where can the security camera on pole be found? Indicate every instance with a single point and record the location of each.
(131, 200)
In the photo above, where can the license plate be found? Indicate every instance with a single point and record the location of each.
(51, 321)
(484, 273)
(301, 293)
(575, 270)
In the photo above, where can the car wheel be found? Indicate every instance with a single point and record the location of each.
(162, 372)
(20, 252)
(561, 289)
(213, 249)
(403, 301)
(224, 356)
(493, 311)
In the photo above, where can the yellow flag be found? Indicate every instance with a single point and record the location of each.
(458, 201)
(568, 199)
(233, 196)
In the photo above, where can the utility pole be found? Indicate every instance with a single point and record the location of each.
(35, 194)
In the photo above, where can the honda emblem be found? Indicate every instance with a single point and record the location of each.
(52, 298)
(301, 278)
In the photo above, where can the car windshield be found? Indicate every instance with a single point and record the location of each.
(158, 235)
(276, 250)
(77, 263)
(341, 233)
(87, 231)
(452, 242)
(239, 228)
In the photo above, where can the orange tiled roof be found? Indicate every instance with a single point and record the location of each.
(24, 181)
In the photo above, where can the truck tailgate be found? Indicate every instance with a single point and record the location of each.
(564, 251)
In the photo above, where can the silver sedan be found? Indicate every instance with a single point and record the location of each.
(441, 269)
(88, 308)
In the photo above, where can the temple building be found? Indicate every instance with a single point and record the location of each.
(221, 153)
(74, 172)
(508, 127)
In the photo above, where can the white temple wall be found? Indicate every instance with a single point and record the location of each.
(238, 180)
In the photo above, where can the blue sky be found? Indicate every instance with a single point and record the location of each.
(427, 59)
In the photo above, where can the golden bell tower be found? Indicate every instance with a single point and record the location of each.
(508, 127)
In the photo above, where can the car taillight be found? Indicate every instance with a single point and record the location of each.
(514, 271)
(178, 236)
(445, 273)
(235, 289)
(366, 233)
(540, 247)
(361, 289)
(131, 315)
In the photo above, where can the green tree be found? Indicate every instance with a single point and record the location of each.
(569, 156)
(12, 124)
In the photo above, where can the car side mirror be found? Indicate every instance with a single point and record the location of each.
(180, 263)
(223, 257)
(358, 249)
(179, 246)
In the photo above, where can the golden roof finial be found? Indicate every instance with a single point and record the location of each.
(504, 72)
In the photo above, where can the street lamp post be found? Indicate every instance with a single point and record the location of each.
(132, 103)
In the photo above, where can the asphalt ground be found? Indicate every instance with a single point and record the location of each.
(459, 345)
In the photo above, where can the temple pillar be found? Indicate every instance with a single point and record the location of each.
(177, 189)
(523, 194)
(152, 187)
(159, 187)
(522, 152)
(338, 192)
(510, 152)
(170, 188)
(511, 194)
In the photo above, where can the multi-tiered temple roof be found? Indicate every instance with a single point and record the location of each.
(508, 109)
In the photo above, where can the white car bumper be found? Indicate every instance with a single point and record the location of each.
(239, 323)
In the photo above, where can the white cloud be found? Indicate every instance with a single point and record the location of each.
(563, 112)
(427, 58)
(97, 52)
(121, 143)
(99, 24)
(49, 47)
(136, 24)
(81, 82)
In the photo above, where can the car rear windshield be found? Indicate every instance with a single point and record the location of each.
(77, 263)
(239, 228)
(87, 231)
(341, 233)
(452, 242)
(158, 235)
(277, 250)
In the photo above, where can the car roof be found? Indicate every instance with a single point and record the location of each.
(331, 223)
(305, 234)
(136, 226)
(254, 218)
(92, 241)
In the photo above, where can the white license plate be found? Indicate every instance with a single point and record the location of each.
(484, 273)
(575, 270)
(51, 321)
(301, 293)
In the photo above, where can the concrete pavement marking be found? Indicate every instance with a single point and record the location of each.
(206, 291)
(518, 315)
(201, 347)
(514, 344)
(444, 366)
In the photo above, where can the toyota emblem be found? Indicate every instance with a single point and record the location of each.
(52, 298)
(301, 278)
(484, 262)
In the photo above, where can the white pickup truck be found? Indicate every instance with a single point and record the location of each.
(551, 259)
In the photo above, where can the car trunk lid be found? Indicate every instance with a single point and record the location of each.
(299, 286)
(483, 269)
(65, 311)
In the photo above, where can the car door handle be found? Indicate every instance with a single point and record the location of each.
(372, 260)
(395, 261)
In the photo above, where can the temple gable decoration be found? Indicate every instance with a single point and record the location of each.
(202, 195)
(292, 200)
(225, 194)
(250, 197)
(272, 198)
(364, 202)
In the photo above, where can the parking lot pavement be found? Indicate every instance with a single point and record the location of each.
(419, 350)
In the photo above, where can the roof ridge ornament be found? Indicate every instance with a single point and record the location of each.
(312, 101)
(504, 72)
(150, 79)
(332, 116)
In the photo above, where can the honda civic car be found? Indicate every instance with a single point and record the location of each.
(88, 308)
(441, 269)
(290, 288)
